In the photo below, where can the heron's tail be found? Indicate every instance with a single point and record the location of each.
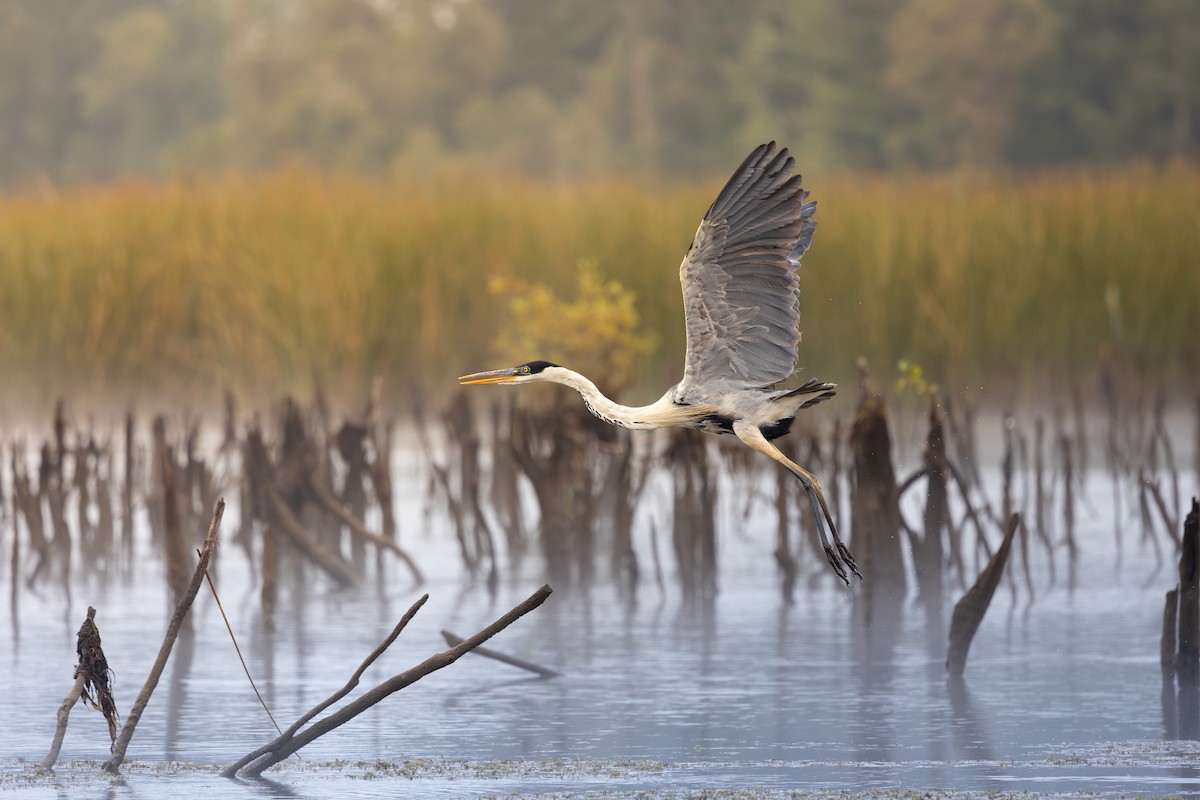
(814, 391)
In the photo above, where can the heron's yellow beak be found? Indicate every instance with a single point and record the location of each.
(495, 376)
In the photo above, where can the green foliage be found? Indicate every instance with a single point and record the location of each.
(913, 377)
(596, 333)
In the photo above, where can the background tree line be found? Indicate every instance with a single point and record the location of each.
(576, 87)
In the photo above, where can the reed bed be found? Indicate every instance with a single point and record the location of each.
(260, 282)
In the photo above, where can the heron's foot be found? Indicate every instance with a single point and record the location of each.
(848, 559)
(836, 563)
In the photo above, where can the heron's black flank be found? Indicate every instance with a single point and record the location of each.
(717, 423)
(777, 428)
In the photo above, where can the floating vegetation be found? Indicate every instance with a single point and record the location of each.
(1069, 770)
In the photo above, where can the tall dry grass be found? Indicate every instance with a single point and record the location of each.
(260, 282)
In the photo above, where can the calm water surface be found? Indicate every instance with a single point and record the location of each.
(1062, 694)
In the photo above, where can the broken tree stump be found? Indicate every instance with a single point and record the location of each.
(1167, 644)
(875, 509)
(232, 769)
(1167, 655)
(929, 550)
(971, 608)
(1187, 661)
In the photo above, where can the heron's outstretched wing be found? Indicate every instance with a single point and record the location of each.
(741, 293)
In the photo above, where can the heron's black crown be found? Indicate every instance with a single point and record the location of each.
(536, 366)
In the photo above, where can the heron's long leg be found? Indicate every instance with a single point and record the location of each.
(814, 489)
(752, 436)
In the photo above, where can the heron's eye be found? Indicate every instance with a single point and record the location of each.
(524, 370)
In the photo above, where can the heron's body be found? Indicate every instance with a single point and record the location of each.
(773, 418)
(742, 310)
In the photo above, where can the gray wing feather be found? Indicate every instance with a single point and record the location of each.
(741, 291)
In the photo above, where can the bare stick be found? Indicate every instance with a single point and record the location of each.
(164, 652)
(286, 745)
(64, 711)
(232, 769)
(544, 672)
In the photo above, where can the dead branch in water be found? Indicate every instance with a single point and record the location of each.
(64, 712)
(693, 533)
(175, 545)
(326, 500)
(286, 491)
(164, 652)
(875, 506)
(1187, 660)
(970, 609)
(928, 549)
(293, 739)
(1169, 641)
(232, 769)
(268, 504)
(334, 565)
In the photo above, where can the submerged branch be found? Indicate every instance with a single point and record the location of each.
(331, 504)
(512, 661)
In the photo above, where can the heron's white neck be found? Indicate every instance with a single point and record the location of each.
(658, 414)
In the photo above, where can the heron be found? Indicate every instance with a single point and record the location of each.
(741, 301)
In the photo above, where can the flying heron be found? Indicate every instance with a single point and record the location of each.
(741, 302)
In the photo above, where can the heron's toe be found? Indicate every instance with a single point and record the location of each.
(836, 563)
(848, 559)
